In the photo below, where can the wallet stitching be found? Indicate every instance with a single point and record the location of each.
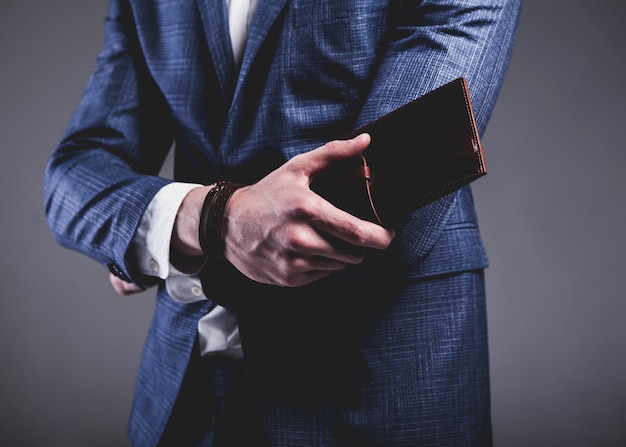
(470, 112)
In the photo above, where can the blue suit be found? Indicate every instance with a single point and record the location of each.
(392, 352)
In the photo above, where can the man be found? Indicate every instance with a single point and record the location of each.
(280, 319)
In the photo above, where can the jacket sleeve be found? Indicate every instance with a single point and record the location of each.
(432, 42)
(103, 174)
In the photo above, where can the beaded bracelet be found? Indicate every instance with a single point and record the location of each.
(212, 215)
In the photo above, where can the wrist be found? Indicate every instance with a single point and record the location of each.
(212, 218)
(185, 242)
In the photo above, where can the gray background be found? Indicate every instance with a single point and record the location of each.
(551, 211)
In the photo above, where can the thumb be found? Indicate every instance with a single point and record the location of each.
(334, 151)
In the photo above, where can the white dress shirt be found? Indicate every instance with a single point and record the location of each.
(218, 329)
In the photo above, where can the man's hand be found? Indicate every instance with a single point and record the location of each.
(279, 232)
(122, 287)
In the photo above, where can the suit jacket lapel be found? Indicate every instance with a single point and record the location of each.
(266, 14)
(214, 16)
(215, 23)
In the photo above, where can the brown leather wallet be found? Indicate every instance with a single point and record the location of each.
(418, 153)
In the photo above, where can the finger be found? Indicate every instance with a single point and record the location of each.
(306, 264)
(304, 278)
(313, 250)
(122, 287)
(345, 227)
(332, 152)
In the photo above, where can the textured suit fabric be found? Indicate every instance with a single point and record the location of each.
(408, 369)
(415, 358)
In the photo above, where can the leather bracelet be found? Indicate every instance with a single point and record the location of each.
(212, 215)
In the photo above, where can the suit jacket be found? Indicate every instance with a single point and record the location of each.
(312, 71)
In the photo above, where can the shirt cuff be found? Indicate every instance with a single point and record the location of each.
(151, 243)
